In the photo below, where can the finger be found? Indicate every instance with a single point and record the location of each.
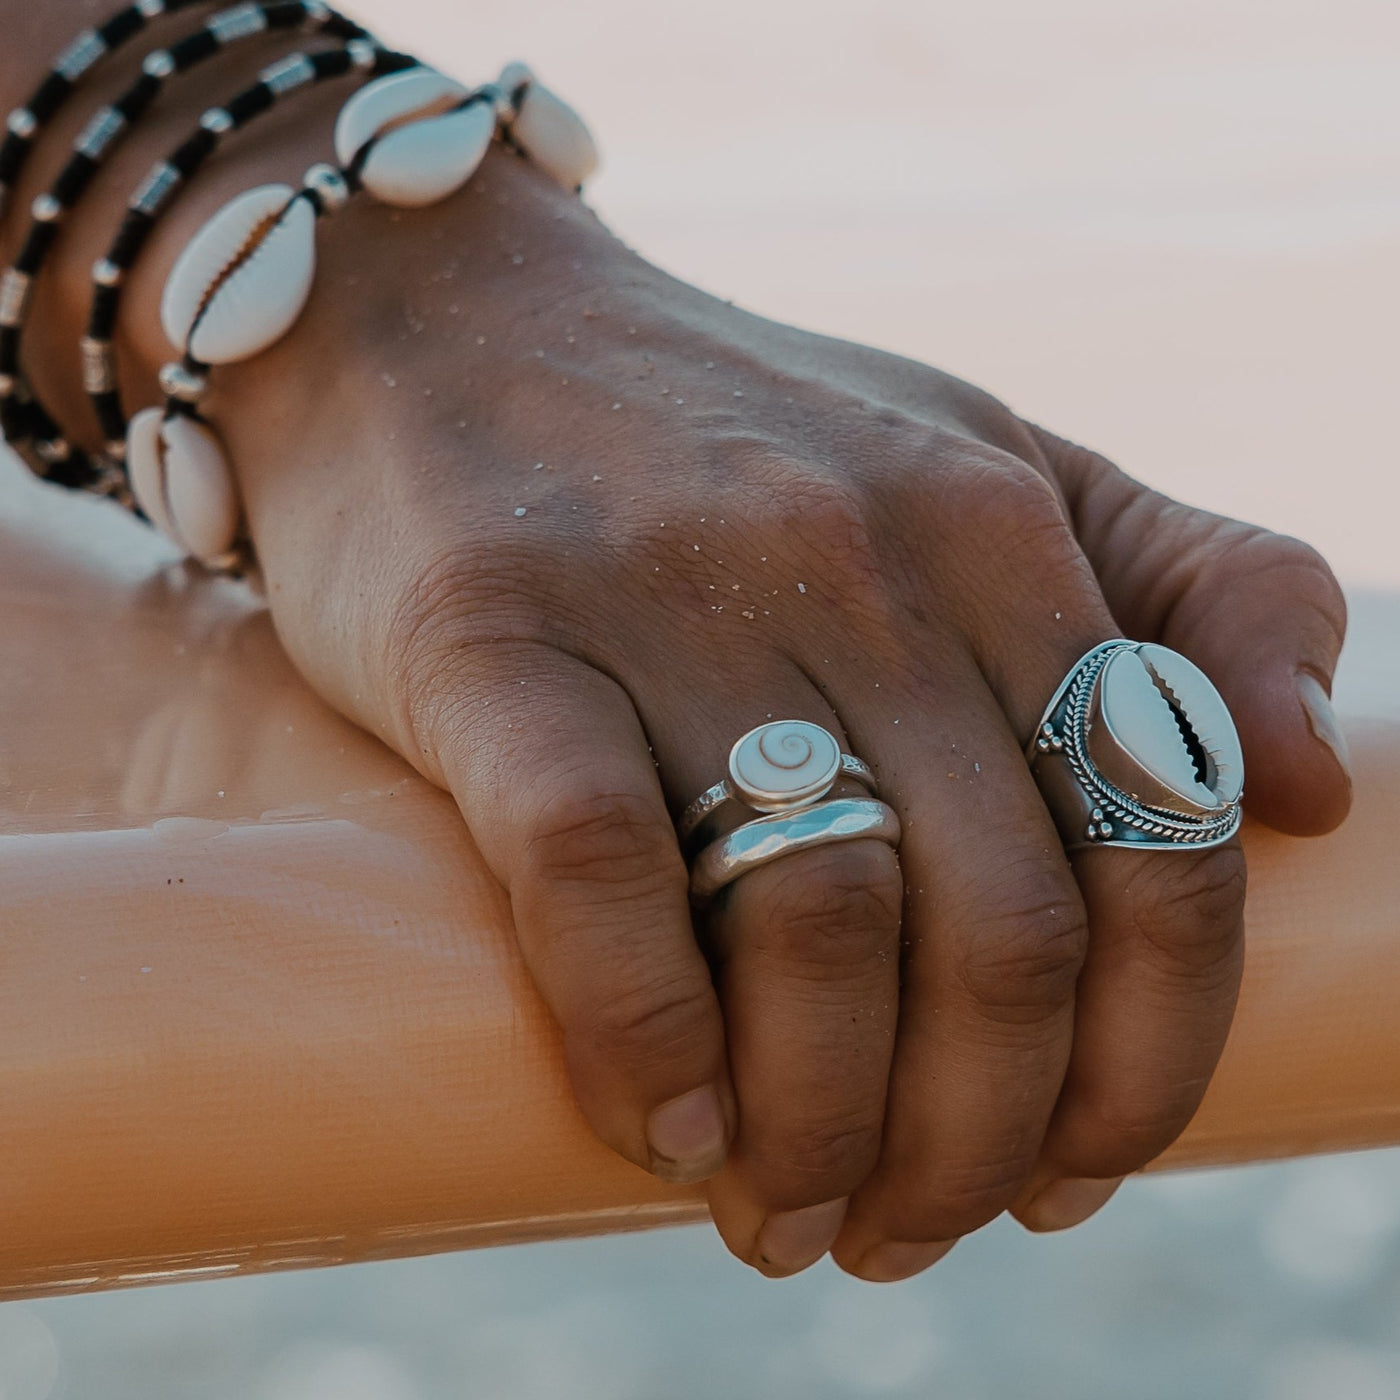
(549, 764)
(995, 935)
(1156, 999)
(1260, 613)
(807, 956)
(1161, 976)
(810, 984)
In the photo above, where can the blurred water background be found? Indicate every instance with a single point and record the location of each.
(1168, 227)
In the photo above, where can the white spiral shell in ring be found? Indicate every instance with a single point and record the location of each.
(553, 135)
(784, 765)
(243, 279)
(422, 144)
(181, 479)
(1160, 732)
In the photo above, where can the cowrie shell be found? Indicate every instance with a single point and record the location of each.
(553, 135)
(242, 281)
(181, 479)
(783, 765)
(422, 145)
(390, 102)
(1159, 730)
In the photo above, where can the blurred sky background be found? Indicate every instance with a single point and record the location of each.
(1169, 228)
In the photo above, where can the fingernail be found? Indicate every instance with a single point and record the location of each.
(796, 1238)
(1067, 1202)
(1322, 720)
(889, 1263)
(688, 1137)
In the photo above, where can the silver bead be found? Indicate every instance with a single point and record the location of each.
(23, 123)
(80, 55)
(364, 53)
(106, 273)
(53, 450)
(500, 99)
(328, 185)
(316, 12)
(158, 64)
(150, 9)
(115, 449)
(217, 121)
(8, 385)
(46, 209)
(177, 382)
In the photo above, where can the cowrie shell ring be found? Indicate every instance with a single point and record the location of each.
(1137, 748)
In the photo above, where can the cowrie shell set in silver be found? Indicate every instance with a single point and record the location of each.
(409, 138)
(1136, 748)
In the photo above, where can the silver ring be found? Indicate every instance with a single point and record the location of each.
(779, 767)
(768, 839)
(1137, 748)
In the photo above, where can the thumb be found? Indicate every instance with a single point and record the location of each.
(1260, 613)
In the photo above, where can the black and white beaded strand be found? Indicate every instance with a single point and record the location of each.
(27, 426)
(410, 139)
(25, 124)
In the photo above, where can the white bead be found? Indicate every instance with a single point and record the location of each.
(23, 123)
(425, 161)
(241, 283)
(391, 101)
(181, 479)
(1137, 741)
(553, 135)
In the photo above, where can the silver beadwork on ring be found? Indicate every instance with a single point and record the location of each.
(782, 766)
(1137, 748)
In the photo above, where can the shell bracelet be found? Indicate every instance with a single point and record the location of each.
(409, 140)
(28, 427)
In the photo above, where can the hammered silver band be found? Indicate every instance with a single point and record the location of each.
(767, 839)
(1137, 748)
(785, 771)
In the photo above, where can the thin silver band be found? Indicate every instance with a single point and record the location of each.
(712, 800)
(768, 839)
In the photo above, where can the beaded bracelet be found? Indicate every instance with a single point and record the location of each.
(24, 420)
(408, 139)
(25, 123)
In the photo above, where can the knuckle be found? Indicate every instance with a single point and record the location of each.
(1128, 1131)
(832, 911)
(1021, 962)
(960, 1198)
(613, 840)
(825, 515)
(1190, 911)
(1302, 574)
(819, 1160)
(647, 1024)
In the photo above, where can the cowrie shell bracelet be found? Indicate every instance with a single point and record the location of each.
(410, 138)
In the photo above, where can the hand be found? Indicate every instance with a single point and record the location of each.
(559, 528)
